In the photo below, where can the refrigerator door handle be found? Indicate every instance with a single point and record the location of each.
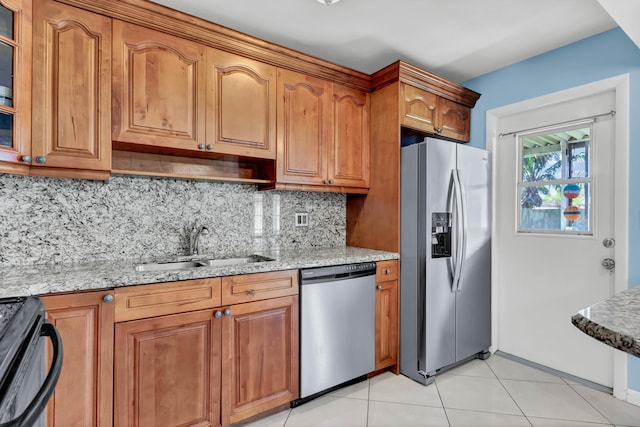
(456, 260)
(461, 250)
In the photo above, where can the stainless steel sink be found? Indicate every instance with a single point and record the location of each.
(214, 262)
(222, 262)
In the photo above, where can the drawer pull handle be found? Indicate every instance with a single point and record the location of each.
(388, 271)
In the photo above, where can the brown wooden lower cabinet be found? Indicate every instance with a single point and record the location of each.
(387, 313)
(167, 371)
(259, 357)
(210, 366)
(84, 393)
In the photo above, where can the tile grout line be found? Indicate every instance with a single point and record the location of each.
(592, 405)
(509, 394)
(446, 414)
(368, 400)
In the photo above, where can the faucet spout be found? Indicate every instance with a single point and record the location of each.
(194, 239)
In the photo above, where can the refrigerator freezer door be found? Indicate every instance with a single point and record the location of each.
(438, 158)
(473, 300)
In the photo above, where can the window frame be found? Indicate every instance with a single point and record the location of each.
(587, 181)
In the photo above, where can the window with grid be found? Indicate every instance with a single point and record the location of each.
(554, 185)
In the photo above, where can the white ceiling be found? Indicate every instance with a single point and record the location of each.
(456, 39)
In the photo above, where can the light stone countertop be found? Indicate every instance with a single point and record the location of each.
(44, 279)
(614, 321)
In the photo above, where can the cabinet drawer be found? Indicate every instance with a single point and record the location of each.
(259, 286)
(386, 270)
(139, 302)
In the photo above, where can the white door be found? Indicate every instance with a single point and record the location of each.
(548, 265)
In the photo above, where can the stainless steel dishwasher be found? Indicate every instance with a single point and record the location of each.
(337, 326)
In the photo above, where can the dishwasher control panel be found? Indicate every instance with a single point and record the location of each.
(338, 271)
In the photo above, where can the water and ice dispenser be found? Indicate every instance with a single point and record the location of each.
(440, 235)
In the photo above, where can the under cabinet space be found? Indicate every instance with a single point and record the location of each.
(213, 167)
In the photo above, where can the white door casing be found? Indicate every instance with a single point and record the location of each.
(532, 309)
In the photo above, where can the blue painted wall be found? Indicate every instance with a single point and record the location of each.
(599, 57)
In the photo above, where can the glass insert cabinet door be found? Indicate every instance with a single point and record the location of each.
(15, 76)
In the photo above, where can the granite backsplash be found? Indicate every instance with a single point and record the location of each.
(57, 220)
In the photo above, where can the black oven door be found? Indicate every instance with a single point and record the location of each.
(25, 386)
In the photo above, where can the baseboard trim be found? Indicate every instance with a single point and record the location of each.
(558, 373)
(633, 397)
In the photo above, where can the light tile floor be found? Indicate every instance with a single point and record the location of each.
(496, 392)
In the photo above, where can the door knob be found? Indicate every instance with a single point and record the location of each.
(608, 263)
(609, 242)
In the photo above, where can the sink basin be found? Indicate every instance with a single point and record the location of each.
(214, 262)
(222, 262)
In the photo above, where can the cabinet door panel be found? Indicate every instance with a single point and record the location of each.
(417, 108)
(167, 371)
(304, 128)
(386, 324)
(84, 391)
(348, 159)
(15, 114)
(259, 357)
(241, 105)
(72, 83)
(453, 119)
(158, 86)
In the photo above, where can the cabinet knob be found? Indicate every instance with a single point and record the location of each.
(26, 159)
(107, 298)
(379, 287)
(201, 146)
(388, 271)
(439, 130)
(41, 159)
(331, 181)
(227, 312)
(209, 146)
(325, 182)
(218, 315)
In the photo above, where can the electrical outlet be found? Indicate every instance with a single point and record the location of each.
(302, 219)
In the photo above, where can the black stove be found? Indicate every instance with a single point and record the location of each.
(25, 387)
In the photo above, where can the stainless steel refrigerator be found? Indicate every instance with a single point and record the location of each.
(445, 256)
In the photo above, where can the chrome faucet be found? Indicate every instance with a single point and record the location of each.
(194, 239)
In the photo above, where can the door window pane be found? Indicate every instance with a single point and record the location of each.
(6, 130)
(555, 181)
(6, 22)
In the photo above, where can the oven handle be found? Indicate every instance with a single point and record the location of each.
(37, 405)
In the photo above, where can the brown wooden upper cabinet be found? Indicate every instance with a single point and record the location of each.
(176, 94)
(158, 89)
(241, 106)
(15, 86)
(322, 132)
(72, 86)
(431, 113)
